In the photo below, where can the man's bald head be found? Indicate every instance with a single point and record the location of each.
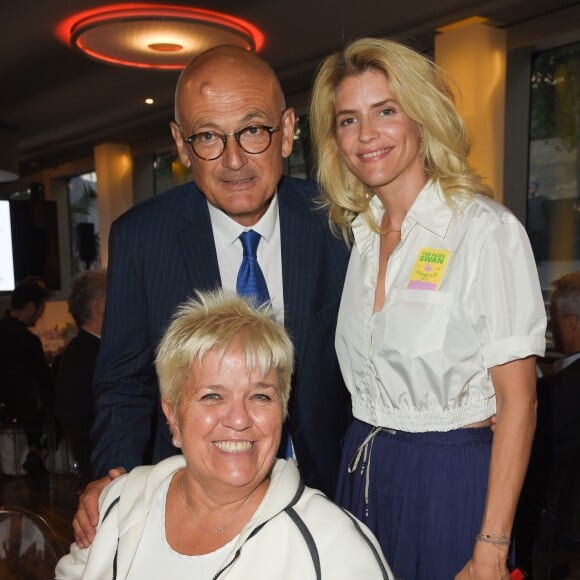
(224, 62)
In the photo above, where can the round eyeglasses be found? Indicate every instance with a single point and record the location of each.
(209, 145)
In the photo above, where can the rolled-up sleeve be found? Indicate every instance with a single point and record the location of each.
(505, 302)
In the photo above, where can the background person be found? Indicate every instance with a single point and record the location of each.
(74, 396)
(26, 385)
(559, 393)
(226, 507)
(556, 447)
(440, 320)
(161, 251)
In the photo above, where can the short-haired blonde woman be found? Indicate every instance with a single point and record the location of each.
(226, 508)
(440, 321)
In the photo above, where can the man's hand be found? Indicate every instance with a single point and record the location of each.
(87, 516)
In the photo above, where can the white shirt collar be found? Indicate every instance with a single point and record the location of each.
(430, 210)
(227, 230)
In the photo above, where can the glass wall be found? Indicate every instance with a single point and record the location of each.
(553, 208)
(84, 223)
(168, 172)
(300, 161)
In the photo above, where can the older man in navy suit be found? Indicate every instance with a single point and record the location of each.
(232, 129)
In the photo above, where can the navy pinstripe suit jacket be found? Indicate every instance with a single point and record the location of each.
(160, 252)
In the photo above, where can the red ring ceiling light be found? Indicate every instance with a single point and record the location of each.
(154, 36)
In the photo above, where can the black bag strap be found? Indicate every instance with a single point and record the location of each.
(109, 509)
(310, 543)
(289, 509)
(297, 495)
(105, 516)
(371, 546)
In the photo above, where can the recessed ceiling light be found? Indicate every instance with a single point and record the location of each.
(166, 46)
(154, 35)
(149, 101)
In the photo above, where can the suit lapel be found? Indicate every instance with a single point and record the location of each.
(298, 251)
(196, 243)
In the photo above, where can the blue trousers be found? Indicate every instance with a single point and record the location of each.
(422, 494)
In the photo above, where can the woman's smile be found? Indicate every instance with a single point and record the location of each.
(234, 446)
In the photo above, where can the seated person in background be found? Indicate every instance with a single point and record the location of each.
(74, 396)
(557, 438)
(25, 380)
(559, 393)
(226, 506)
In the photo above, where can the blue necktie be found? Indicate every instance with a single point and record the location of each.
(251, 280)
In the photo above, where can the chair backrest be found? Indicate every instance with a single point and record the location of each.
(29, 546)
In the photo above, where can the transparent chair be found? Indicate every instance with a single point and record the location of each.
(29, 546)
(13, 446)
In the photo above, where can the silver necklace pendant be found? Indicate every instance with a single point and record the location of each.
(221, 529)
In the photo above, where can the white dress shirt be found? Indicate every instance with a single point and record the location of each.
(462, 295)
(226, 233)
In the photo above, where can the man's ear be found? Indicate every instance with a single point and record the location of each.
(288, 122)
(182, 146)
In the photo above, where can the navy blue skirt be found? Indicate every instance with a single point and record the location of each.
(422, 494)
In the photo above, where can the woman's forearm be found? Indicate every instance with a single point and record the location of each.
(515, 387)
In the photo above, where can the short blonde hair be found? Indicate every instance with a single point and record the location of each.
(422, 91)
(213, 321)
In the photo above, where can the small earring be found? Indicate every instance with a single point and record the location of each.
(177, 443)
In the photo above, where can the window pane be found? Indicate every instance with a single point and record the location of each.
(84, 223)
(553, 219)
(299, 162)
(168, 172)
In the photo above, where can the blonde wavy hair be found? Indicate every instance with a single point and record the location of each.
(214, 321)
(424, 94)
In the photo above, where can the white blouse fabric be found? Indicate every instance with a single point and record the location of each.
(168, 563)
(462, 295)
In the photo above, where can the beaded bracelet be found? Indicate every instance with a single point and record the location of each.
(491, 539)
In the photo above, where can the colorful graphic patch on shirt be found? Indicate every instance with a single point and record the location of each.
(428, 269)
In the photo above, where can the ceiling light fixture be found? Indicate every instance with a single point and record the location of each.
(153, 35)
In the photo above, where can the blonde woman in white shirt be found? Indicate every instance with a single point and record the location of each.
(440, 322)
